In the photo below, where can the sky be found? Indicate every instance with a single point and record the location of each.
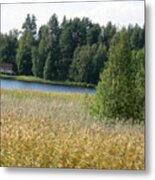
(119, 13)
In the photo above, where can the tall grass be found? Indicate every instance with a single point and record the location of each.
(40, 129)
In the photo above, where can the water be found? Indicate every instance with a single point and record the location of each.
(14, 84)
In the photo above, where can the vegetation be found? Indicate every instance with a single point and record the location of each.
(40, 80)
(75, 50)
(88, 62)
(8, 47)
(120, 93)
(83, 52)
(41, 129)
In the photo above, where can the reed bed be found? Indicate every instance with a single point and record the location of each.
(55, 130)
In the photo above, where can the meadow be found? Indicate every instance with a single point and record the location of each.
(55, 130)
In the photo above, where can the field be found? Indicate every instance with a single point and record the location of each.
(40, 129)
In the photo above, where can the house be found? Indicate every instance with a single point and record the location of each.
(6, 68)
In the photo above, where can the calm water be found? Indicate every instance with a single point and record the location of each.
(14, 84)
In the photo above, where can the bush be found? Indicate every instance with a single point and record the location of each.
(120, 92)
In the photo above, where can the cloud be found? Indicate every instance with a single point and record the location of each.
(120, 13)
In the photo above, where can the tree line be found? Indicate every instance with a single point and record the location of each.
(74, 50)
(82, 51)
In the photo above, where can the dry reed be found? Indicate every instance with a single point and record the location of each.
(40, 129)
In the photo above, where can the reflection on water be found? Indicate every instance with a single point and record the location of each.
(14, 84)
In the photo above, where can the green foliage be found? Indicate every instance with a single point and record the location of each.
(8, 46)
(93, 34)
(35, 62)
(99, 60)
(54, 35)
(87, 63)
(24, 54)
(137, 36)
(78, 48)
(49, 67)
(66, 48)
(138, 73)
(78, 51)
(26, 43)
(81, 52)
(78, 32)
(121, 82)
(53, 26)
(108, 32)
(42, 50)
(30, 24)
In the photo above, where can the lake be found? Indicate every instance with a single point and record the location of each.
(15, 84)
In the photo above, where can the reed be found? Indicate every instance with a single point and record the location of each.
(55, 130)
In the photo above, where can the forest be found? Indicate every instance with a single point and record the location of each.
(79, 50)
(74, 50)
(104, 130)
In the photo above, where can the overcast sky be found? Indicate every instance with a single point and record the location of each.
(120, 13)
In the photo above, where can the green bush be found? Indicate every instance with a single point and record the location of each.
(120, 92)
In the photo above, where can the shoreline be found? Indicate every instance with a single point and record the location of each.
(33, 79)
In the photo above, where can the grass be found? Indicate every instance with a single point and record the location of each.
(40, 80)
(41, 129)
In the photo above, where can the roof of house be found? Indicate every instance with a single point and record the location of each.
(6, 66)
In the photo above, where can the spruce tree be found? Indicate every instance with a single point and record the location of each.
(26, 43)
(24, 54)
(42, 50)
(113, 91)
(66, 50)
(138, 84)
(54, 35)
(48, 68)
(35, 62)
